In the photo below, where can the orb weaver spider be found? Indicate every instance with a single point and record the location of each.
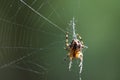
(75, 48)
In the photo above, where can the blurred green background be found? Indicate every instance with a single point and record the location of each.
(32, 49)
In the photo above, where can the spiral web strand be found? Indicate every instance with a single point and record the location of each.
(17, 35)
(22, 42)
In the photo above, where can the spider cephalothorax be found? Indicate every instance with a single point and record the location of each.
(75, 49)
(75, 45)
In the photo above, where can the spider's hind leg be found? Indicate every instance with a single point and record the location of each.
(70, 63)
(81, 61)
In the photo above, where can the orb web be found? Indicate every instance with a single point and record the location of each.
(24, 34)
(31, 34)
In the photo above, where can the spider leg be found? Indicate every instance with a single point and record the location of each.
(66, 42)
(81, 61)
(67, 46)
(66, 57)
(83, 46)
(70, 63)
(78, 36)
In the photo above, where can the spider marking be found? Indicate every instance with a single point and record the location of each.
(75, 48)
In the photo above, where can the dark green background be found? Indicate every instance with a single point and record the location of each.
(23, 32)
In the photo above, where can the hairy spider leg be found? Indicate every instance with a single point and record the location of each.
(73, 26)
(78, 36)
(82, 43)
(67, 46)
(66, 42)
(81, 61)
(70, 63)
(80, 53)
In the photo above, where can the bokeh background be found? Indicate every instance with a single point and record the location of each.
(33, 49)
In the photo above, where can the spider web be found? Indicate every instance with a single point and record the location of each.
(28, 38)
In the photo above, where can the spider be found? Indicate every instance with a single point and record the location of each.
(75, 49)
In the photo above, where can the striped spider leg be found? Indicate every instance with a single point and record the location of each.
(75, 50)
(68, 49)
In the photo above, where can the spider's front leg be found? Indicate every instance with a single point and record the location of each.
(67, 46)
(66, 42)
(78, 36)
(82, 44)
